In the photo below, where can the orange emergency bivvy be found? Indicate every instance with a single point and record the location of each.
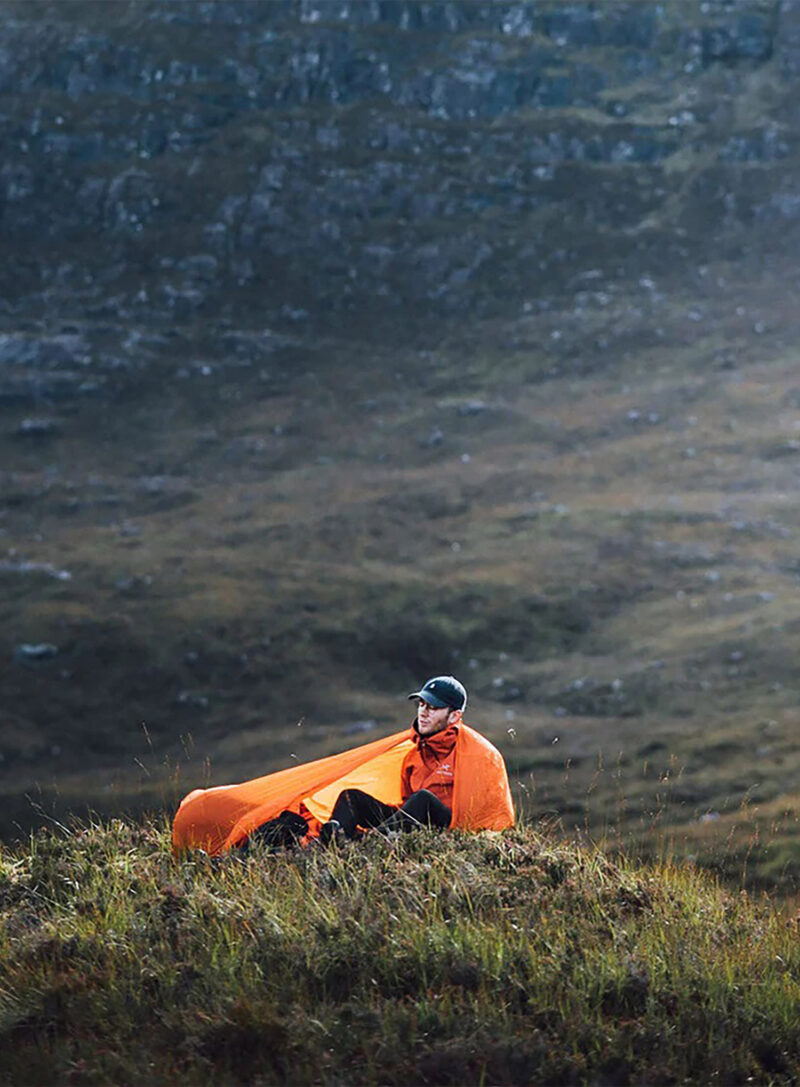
(217, 819)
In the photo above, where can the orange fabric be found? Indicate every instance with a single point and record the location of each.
(379, 776)
(481, 793)
(431, 765)
(219, 818)
(216, 819)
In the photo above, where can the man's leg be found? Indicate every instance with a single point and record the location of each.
(282, 832)
(355, 808)
(422, 809)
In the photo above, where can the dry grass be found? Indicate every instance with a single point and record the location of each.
(438, 959)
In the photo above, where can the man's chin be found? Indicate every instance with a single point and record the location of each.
(428, 731)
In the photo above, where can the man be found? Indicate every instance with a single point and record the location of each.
(427, 772)
(440, 773)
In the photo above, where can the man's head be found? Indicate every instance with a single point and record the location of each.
(441, 703)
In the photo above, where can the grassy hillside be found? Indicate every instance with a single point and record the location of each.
(599, 541)
(436, 959)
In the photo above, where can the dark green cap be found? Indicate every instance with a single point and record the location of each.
(443, 692)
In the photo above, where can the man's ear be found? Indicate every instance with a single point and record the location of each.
(456, 717)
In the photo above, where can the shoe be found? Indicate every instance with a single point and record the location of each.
(332, 832)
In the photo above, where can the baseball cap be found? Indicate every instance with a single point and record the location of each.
(443, 691)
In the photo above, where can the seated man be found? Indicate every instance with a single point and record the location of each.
(439, 773)
(427, 772)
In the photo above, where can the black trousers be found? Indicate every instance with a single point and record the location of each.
(355, 808)
(283, 832)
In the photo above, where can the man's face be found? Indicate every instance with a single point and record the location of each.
(430, 720)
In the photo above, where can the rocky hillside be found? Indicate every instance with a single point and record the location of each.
(300, 160)
(341, 343)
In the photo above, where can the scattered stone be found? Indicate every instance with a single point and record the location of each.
(39, 651)
(473, 407)
(43, 352)
(8, 566)
(136, 585)
(127, 529)
(37, 428)
(191, 700)
(360, 726)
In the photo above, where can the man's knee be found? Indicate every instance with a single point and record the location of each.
(425, 807)
(282, 832)
(353, 796)
(422, 798)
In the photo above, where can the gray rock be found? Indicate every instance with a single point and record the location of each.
(132, 200)
(13, 566)
(473, 407)
(43, 352)
(369, 174)
(34, 652)
(37, 428)
(788, 42)
(360, 726)
(191, 700)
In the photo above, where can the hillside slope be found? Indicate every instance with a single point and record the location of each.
(345, 344)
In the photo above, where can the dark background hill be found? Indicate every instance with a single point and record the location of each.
(345, 343)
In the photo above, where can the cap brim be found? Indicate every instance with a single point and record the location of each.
(431, 699)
